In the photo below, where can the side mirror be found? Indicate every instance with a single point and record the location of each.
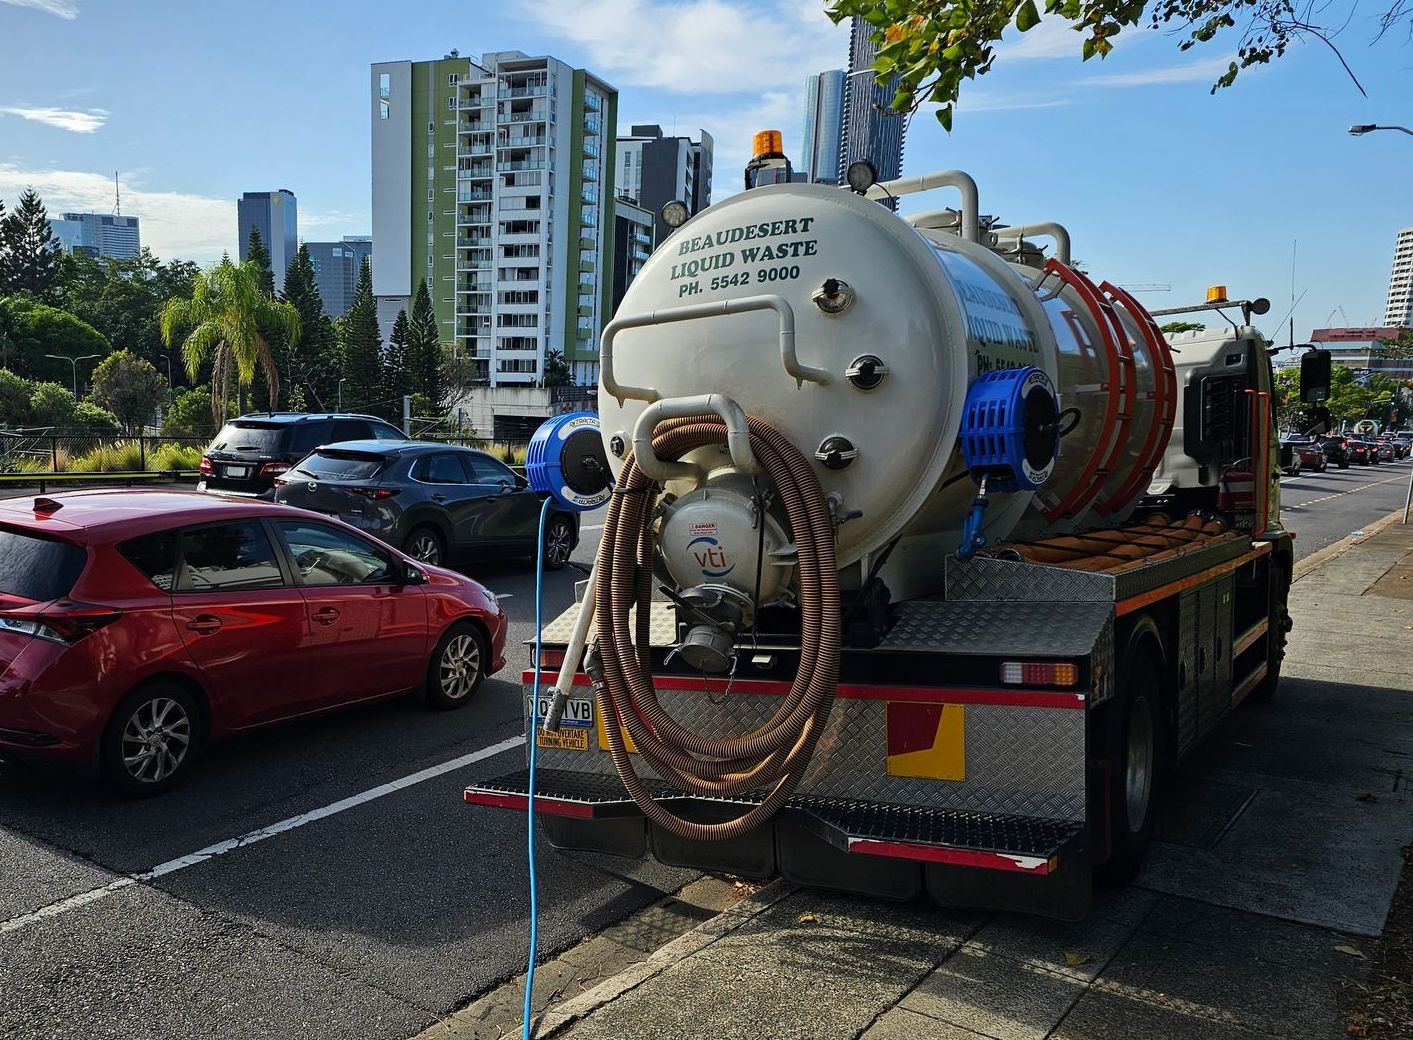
(413, 575)
(1315, 376)
(521, 482)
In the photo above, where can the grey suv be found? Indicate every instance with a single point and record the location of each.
(435, 502)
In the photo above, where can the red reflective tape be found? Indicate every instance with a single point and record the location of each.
(549, 806)
(860, 692)
(1015, 864)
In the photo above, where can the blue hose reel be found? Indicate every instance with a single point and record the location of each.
(566, 460)
(1010, 439)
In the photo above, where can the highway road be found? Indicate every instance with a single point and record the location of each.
(325, 879)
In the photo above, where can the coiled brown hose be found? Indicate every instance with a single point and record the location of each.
(775, 754)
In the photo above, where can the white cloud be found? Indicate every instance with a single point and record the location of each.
(174, 225)
(984, 101)
(1205, 69)
(65, 9)
(698, 46)
(1051, 38)
(78, 121)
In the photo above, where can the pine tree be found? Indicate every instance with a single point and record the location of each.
(363, 363)
(312, 364)
(29, 250)
(395, 374)
(256, 253)
(4, 255)
(424, 352)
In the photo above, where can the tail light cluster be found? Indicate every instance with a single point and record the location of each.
(273, 469)
(1039, 673)
(375, 494)
(205, 469)
(61, 622)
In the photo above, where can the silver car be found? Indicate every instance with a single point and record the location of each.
(439, 503)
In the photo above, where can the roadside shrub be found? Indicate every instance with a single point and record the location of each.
(14, 399)
(510, 454)
(174, 456)
(120, 457)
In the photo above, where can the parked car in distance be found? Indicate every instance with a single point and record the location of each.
(250, 452)
(1336, 449)
(137, 626)
(436, 502)
(1387, 453)
(1305, 454)
(1403, 443)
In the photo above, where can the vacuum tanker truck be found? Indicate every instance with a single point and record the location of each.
(926, 554)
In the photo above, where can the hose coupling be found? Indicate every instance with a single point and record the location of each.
(558, 700)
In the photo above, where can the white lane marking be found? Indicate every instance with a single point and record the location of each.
(591, 527)
(220, 848)
(1340, 494)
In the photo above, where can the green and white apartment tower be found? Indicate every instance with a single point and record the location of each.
(493, 180)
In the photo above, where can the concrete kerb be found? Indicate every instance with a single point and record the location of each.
(557, 1019)
(1318, 559)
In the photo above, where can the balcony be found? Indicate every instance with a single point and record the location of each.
(473, 149)
(640, 253)
(535, 90)
(536, 115)
(590, 173)
(586, 267)
(473, 265)
(591, 126)
(521, 142)
(591, 150)
(475, 195)
(520, 164)
(472, 243)
(476, 126)
(592, 104)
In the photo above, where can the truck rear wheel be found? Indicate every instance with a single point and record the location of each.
(1278, 620)
(1134, 735)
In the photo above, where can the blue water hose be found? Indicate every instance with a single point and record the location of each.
(530, 787)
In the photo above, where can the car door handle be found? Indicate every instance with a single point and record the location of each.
(438, 498)
(325, 615)
(205, 624)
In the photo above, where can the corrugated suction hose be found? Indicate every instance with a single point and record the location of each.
(774, 755)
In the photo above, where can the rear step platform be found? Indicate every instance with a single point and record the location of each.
(1017, 844)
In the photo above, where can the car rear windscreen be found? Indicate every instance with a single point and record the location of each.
(340, 465)
(262, 438)
(37, 568)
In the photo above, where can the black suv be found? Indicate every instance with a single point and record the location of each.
(251, 451)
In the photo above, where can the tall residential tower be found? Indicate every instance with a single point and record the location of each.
(98, 234)
(1399, 309)
(275, 215)
(493, 180)
(336, 267)
(871, 130)
(824, 117)
(654, 169)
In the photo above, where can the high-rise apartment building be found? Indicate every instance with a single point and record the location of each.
(632, 244)
(98, 234)
(870, 129)
(824, 120)
(336, 267)
(275, 215)
(654, 169)
(1399, 309)
(493, 181)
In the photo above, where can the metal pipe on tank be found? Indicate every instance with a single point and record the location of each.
(764, 302)
(962, 181)
(1045, 227)
(738, 437)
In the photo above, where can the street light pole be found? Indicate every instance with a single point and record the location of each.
(1360, 129)
(74, 362)
(340, 395)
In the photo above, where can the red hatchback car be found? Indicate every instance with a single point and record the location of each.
(136, 626)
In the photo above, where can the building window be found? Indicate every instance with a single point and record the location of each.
(384, 94)
(451, 102)
(452, 79)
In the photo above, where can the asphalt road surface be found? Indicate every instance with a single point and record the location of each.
(325, 879)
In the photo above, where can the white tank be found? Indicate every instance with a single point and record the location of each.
(936, 310)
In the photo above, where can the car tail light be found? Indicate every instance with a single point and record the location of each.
(61, 622)
(375, 494)
(205, 469)
(1038, 673)
(273, 469)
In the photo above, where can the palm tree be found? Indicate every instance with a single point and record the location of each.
(227, 319)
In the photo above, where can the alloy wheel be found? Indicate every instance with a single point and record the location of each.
(559, 543)
(460, 666)
(424, 548)
(156, 740)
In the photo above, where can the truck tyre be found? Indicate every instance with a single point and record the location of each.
(1134, 735)
(1278, 620)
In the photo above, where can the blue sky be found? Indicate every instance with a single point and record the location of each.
(1159, 182)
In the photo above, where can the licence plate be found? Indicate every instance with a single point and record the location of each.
(578, 711)
(237, 471)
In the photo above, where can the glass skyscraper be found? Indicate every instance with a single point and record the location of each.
(824, 119)
(274, 215)
(871, 130)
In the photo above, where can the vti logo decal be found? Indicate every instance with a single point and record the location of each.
(710, 557)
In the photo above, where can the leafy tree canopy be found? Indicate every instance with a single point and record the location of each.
(1182, 326)
(190, 415)
(36, 329)
(129, 387)
(52, 405)
(933, 46)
